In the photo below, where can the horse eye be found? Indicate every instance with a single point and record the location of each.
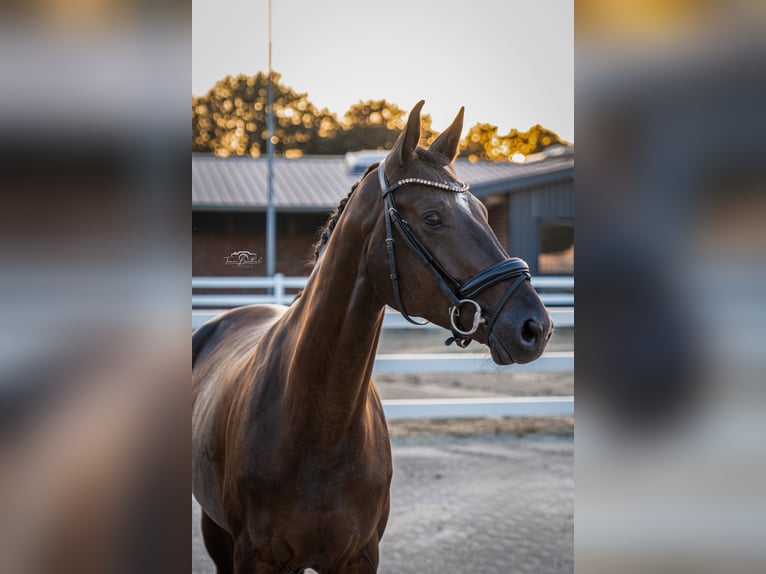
(432, 219)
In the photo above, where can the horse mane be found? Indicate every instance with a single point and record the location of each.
(429, 157)
(332, 221)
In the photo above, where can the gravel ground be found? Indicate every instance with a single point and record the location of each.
(481, 504)
(472, 504)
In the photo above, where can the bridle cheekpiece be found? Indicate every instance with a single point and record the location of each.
(459, 294)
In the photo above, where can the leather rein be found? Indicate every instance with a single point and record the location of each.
(458, 294)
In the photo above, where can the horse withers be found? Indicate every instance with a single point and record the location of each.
(291, 460)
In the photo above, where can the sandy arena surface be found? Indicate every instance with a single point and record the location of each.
(473, 504)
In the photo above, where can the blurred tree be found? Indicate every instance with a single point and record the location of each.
(231, 119)
(483, 142)
(427, 133)
(372, 124)
(375, 124)
(201, 125)
(479, 141)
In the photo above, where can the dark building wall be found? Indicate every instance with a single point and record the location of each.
(497, 212)
(528, 208)
(516, 218)
(216, 235)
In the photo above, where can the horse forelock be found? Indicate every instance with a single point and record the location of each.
(432, 158)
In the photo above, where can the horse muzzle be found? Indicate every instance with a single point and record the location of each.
(521, 340)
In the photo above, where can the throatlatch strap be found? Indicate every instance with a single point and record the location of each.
(393, 275)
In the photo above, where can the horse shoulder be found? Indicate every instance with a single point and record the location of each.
(252, 319)
(222, 366)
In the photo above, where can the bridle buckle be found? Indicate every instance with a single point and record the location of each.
(454, 314)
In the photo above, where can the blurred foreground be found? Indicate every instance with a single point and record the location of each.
(94, 252)
(671, 275)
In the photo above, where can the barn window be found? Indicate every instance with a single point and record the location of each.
(556, 246)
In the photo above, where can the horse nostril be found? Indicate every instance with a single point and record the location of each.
(531, 332)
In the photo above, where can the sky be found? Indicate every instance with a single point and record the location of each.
(509, 62)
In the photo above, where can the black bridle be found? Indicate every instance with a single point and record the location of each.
(459, 294)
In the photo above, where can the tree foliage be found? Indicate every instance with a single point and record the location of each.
(483, 142)
(373, 124)
(231, 120)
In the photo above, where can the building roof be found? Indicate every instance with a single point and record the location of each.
(318, 183)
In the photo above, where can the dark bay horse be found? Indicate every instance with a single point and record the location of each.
(291, 461)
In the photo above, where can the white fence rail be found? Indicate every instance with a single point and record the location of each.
(478, 407)
(562, 317)
(557, 293)
(466, 363)
(276, 290)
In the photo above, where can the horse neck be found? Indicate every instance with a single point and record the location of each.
(336, 325)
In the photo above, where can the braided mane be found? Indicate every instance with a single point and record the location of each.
(431, 158)
(332, 221)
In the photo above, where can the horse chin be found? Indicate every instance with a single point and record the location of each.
(500, 353)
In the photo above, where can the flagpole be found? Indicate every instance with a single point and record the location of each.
(271, 223)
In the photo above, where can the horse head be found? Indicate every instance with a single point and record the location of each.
(432, 254)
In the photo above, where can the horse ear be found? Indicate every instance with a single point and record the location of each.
(449, 140)
(404, 148)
